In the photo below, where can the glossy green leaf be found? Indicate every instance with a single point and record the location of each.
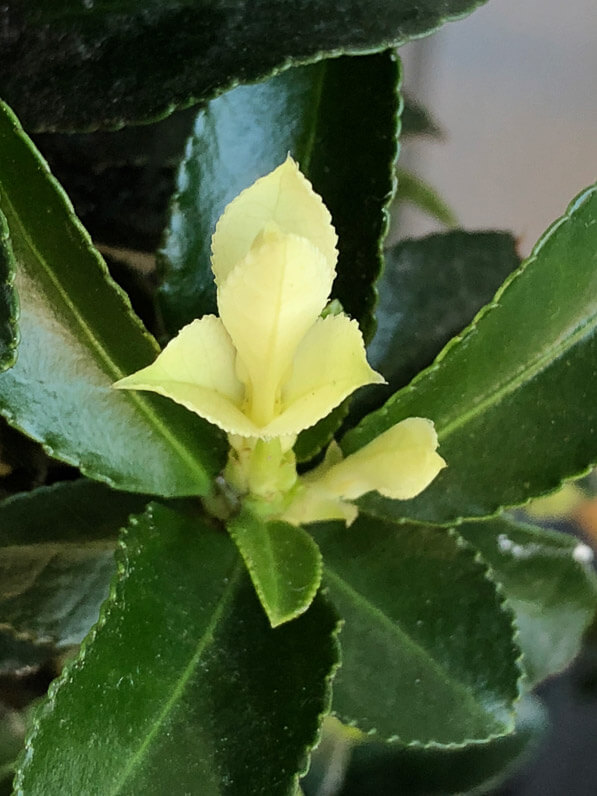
(413, 190)
(8, 299)
(284, 563)
(120, 182)
(70, 65)
(428, 654)
(247, 132)
(57, 557)
(389, 768)
(550, 583)
(514, 398)
(186, 669)
(78, 335)
(431, 288)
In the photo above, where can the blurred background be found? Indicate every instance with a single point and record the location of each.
(511, 157)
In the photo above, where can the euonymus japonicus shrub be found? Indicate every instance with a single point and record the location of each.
(308, 519)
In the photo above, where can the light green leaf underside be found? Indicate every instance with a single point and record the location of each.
(514, 398)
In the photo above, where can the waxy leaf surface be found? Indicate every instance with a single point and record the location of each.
(78, 335)
(428, 654)
(550, 583)
(514, 397)
(68, 64)
(430, 289)
(57, 557)
(284, 563)
(187, 670)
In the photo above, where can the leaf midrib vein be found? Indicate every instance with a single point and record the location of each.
(532, 369)
(202, 645)
(396, 630)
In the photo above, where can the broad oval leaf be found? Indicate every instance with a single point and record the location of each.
(58, 61)
(8, 299)
(514, 397)
(428, 650)
(549, 580)
(283, 561)
(57, 557)
(186, 670)
(78, 336)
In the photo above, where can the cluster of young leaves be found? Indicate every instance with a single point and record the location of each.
(440, 619)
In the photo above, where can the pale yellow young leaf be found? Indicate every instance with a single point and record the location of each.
(317, 505)
(284, 197)
(267, 304)
(197, 370)
(329, 365)
(398, 464)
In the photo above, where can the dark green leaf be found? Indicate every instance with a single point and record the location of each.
(414, 190)
(514, 398)
(430, 289)
(8, 299)
(550, 584)
(120, 182)
(78, 335)
(70, 65)
(186, 670)
(57, 557)
(428, 655)
(389, 768)
(284, 563)
(323, 116)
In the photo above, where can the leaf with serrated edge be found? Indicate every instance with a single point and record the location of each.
(8, 299)
(430, 289)
(185, 668)
(428, 648)
(78, 335)
(389, 768)
(550, 583)
(284, 563)
(57, 557)
(514, 397)
(185, 52)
